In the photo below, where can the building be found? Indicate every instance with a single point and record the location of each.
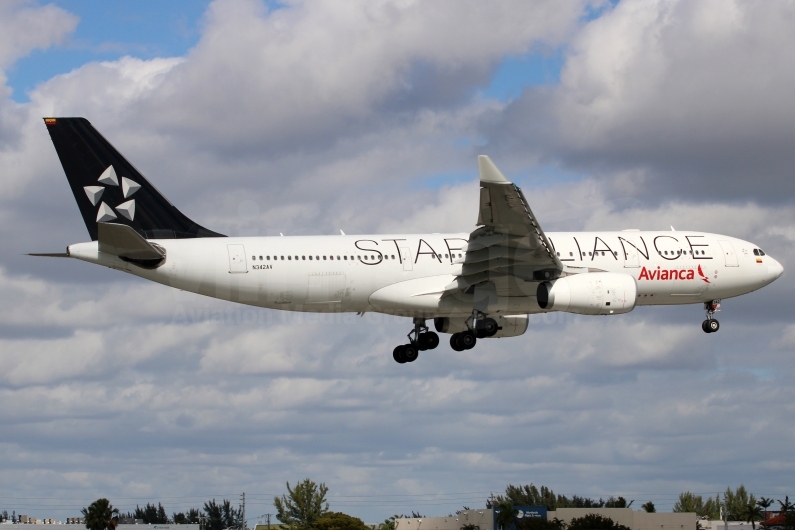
(636, 520)
(484, 519)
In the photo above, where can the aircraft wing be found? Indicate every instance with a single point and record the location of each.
(509, 240)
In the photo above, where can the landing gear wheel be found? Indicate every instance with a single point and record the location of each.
(428, 340)
(398, 354)
(410, 353)
(710, 325)
(455, 342)
(487, 328)
(467, 340)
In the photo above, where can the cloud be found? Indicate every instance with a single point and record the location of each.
(25, 27)
(695, 96)
(319, 116)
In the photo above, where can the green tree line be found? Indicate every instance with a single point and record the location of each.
(101, 515)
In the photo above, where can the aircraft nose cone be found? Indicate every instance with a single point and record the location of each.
(774, 270)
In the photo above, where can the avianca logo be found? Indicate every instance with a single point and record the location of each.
(672, 274)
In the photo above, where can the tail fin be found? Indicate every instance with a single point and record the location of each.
(107, 188)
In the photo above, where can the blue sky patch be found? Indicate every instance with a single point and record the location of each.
(110, 30)
(518, 72)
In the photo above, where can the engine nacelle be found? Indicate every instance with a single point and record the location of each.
(593, 293)
(510, 325)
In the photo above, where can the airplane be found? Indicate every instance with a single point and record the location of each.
(478, 285)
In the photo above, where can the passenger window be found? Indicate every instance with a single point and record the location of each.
(302, 257)
(268, 258)
(558, 254)
(310, 258)
(571, 254)
(603, 253)
(282, 258)
(289, 257)
(393, 256)
(253, 258)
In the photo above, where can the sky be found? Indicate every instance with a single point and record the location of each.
(311, 116)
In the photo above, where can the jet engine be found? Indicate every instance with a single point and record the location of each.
(509, 326)
(593, 293)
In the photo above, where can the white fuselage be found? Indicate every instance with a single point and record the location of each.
(407, 274)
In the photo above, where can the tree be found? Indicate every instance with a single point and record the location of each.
(620, 502)
(339, 521)
(389, 524)
(736, 502)
(649, 507)
(594, 521)
(786, 506)
(689, 503)
(101, 515)
(753, 513)
(302, 506)
(151, 514)
(221, 516)
(505, 514)
(764, 503)
(192, 517)
(530, 495)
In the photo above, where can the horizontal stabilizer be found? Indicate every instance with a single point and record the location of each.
(125, 242)
(50, 254)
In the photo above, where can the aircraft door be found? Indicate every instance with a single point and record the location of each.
(237, 258)
(405, 259)
(728, 253)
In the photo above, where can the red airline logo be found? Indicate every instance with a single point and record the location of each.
(672, 274)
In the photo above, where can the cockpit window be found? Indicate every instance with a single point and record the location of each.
(756, 252)
(761, 252)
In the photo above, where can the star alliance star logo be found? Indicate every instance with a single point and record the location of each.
(128, 188)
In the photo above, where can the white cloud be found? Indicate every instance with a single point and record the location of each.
(694, 94)
(323, 116)
(25, 27)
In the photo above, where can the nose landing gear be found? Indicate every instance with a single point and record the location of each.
(420, 339)
(710, 325)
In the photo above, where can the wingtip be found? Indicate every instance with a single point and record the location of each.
(489, 172)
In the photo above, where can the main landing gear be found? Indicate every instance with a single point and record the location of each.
(710, 325)
(479, 327)
(420, 339)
